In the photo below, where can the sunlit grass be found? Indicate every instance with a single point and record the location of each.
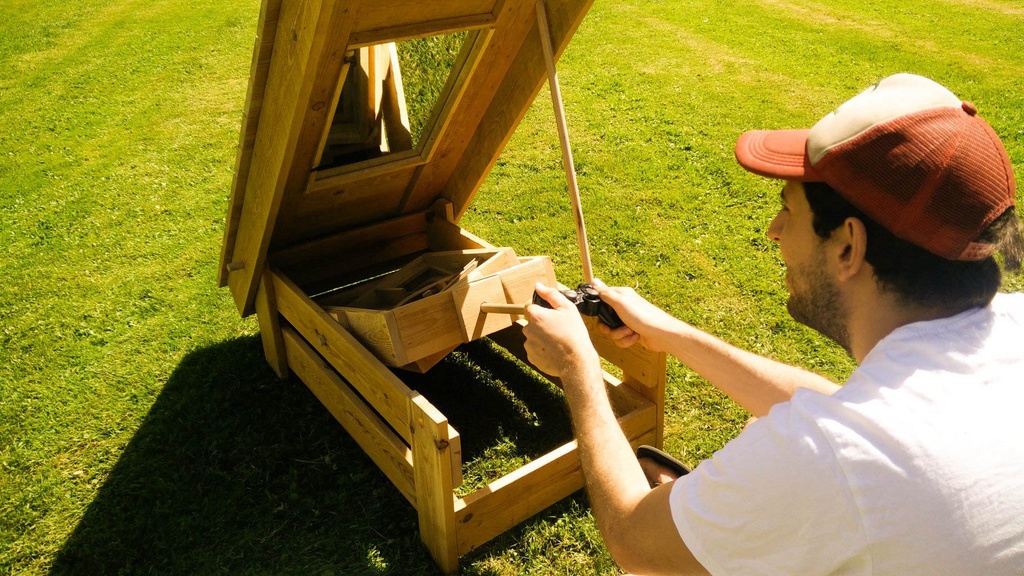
(140, 429)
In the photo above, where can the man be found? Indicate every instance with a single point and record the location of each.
(893, 207)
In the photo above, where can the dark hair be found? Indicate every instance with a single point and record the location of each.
(911, 272)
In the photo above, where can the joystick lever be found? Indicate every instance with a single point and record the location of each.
(588, 302)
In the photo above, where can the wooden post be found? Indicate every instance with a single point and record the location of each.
(432, 470)
(655, 393)
(270, 327)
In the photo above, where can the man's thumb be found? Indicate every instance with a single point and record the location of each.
(552, 296)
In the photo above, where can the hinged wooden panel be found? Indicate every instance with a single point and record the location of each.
(298, 65)
(263, 47)
(307, 59)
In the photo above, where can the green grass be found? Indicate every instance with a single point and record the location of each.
(425, 64)
(140, 428)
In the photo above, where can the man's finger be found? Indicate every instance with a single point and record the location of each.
(609, 295)
(556, 299)
(627, 341)
(620, 332)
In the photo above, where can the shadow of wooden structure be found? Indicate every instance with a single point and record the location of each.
(334, 199)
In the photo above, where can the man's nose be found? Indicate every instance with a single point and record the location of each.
(775, 228)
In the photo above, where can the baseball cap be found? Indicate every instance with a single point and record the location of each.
(909, 154)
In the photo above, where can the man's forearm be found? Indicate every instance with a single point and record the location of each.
(614, 478)
(635, 521)
(754, 382)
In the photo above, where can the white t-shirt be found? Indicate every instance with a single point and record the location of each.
(916, 466)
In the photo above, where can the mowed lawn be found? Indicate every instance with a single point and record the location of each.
(141, 431)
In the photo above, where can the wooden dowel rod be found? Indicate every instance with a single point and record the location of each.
(563, 136)
(489, 308)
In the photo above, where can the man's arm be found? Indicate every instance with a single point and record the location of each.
(754, 382)
(635, 521)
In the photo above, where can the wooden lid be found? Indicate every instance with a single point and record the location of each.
(288, 190)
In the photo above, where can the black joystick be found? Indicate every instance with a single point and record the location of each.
(588, 302)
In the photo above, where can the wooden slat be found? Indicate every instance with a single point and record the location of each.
(640, 363)
(332, 109)
(455, 455)
(332, 273)
(518, 89)
(270, 327)
(504, 259)
(427, 325)
(375, 329)
(388, 395)
(624, 399)
(422, 29)
(432, 470)
(519, 281)
(262, 49)
(378, 441)
(304, 67)
(354, 250)
(468, 298)
(378, 67)
(443, 235)
(655, 395)
(345, 192)
(397, 19)
(394, 110)
(362, 173)
(515, 497)
(341, 203)
(314, 252)
(423, 364)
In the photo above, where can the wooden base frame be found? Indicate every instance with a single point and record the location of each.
(403, 433)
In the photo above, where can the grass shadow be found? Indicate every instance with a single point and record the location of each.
(495, 401)
(234, 471)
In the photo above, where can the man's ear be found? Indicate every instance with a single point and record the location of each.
(851, 242)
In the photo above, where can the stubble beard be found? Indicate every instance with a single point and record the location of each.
(816, 302)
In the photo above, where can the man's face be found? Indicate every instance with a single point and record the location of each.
(814, 296)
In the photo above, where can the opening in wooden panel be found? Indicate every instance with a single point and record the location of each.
(391, 96)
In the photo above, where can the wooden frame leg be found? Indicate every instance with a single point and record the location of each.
(432, 470)
(656, 394)
(270, 327)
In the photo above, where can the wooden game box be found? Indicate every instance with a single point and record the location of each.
(343, 236)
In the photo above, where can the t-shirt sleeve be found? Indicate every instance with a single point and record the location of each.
(772, 501)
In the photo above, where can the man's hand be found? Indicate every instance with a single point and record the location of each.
(644, 322)
(557, 339)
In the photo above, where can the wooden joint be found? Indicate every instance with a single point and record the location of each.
(442, 209)
(235, 266)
